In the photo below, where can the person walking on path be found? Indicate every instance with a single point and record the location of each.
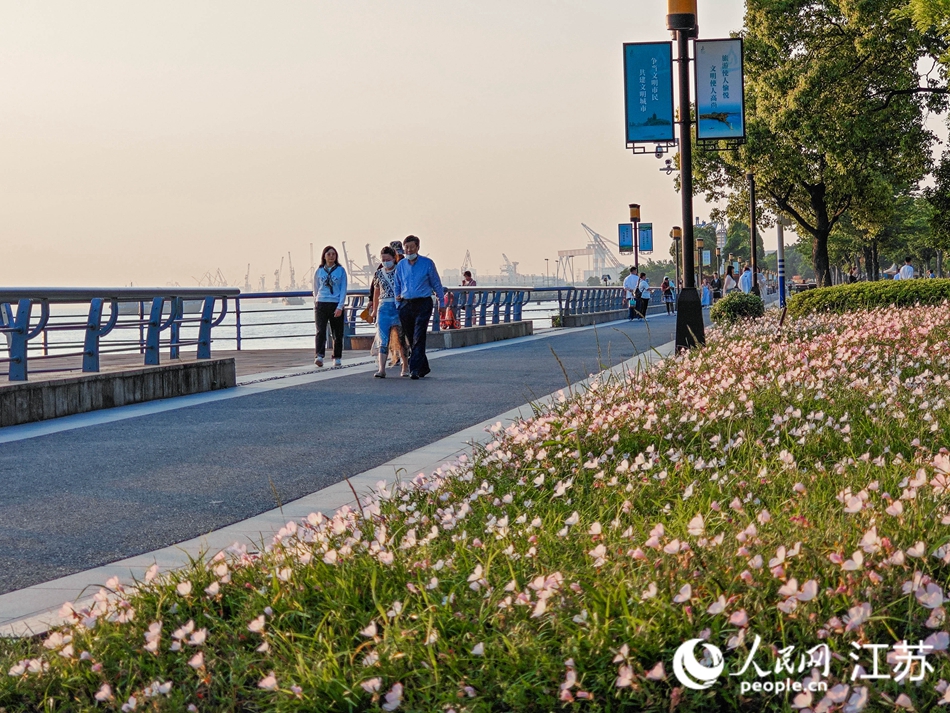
(467, 280)
(667, 289)
(644, 300)
(329, 298)
(384, 311)
(716, 286)
(706, 299)
(745, 280)
(907, 271)
(631, 286)
(729, 284)
(416, 279)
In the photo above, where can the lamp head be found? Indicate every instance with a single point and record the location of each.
(699, 242)
(634, 212)
(676, 233)
(681, 15)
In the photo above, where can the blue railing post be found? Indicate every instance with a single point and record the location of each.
(154, 330)
(178, 314)
(237, 321)
(466, 304)
(508, 297)
(204, 328)
(21, 326)
(482, 308)
(141, 327)
(90, 352)
(495, 306)
(519, 300)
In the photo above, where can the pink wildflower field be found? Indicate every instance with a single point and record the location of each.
(779, 498)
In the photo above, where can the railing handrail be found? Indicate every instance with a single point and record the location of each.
(61, 295)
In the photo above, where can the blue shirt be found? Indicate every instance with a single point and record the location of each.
(335, 291)
(418, 280)
(745, 281)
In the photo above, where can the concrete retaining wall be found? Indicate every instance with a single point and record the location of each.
(584, 320)
(465, 337)
(26, 402)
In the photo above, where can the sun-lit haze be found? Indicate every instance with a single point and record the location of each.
(150, 143)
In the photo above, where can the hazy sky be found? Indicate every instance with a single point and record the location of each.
(151, 142)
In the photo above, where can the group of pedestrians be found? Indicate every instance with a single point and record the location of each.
(400, 298)
(637, 292)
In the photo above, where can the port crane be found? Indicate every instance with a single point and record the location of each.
(247, 279)
(290, 266)
(467, 264)
(510, 269)
(597, 252)
(277, 274)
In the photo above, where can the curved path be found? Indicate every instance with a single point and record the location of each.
(79, 498)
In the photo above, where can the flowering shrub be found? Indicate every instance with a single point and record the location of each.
(870, 295)
(736, 306)
(755, 494)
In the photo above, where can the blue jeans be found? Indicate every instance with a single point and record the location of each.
(386, 319)
(415, 315)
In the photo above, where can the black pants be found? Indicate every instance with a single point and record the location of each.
(324, 315)
(642, 305)
(414, 316)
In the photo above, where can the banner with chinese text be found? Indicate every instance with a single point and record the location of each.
(720, 99)
(648, 91)
(646, 237)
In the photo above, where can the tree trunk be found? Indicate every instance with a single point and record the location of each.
(820, 259)
(876, 265)
(868, 260)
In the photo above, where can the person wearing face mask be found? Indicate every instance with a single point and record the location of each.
(383, 310)
(416, 279)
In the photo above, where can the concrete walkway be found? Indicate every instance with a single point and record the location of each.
(116, 490)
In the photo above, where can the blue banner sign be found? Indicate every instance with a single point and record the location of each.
(720, 93)
(626, 238)
(707, 257)
(646, 237)
(648, 91)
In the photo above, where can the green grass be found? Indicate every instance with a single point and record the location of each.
(467, 590)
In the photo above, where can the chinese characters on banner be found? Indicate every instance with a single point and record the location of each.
(646, 237)
(626, 238)
(648, 91)
(720, 94)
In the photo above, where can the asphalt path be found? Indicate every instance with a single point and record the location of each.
(82, 498)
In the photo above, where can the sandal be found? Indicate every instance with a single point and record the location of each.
(379, 375)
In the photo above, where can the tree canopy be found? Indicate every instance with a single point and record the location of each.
(835, 111)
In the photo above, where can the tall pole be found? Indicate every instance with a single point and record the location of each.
(781, 261)
(690, 332)
(754, 261)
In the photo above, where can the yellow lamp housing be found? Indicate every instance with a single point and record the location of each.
(676, 233)
(681, 15)
(634, 212)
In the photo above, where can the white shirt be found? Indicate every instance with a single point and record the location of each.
(644, 287)
(631, 283)
(906, 273)
(745, 281)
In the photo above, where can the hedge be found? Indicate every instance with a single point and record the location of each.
(870, 295)
(736, 306)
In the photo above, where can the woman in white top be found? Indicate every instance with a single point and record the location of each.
(384, 308)
(329, 299)
(729, 282)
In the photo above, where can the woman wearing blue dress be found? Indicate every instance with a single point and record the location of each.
(707, 293)
(384, 307)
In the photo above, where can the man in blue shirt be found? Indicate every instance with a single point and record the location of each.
(416, 280)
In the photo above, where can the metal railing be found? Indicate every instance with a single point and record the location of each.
(142, 320)
(19, 329)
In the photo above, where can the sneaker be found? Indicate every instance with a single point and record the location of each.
(318, 361)
(337, 362)
(379, 375)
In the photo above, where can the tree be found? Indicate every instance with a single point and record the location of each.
(938, 197)
(833, 123)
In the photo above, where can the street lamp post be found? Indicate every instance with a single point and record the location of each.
(690, 332)
(677, 234)
(721, 234)
(699, 255)
(781, 260)
(753, 261)
(635, 219)
(547, 274)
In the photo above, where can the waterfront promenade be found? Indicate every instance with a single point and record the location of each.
(83, 491)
